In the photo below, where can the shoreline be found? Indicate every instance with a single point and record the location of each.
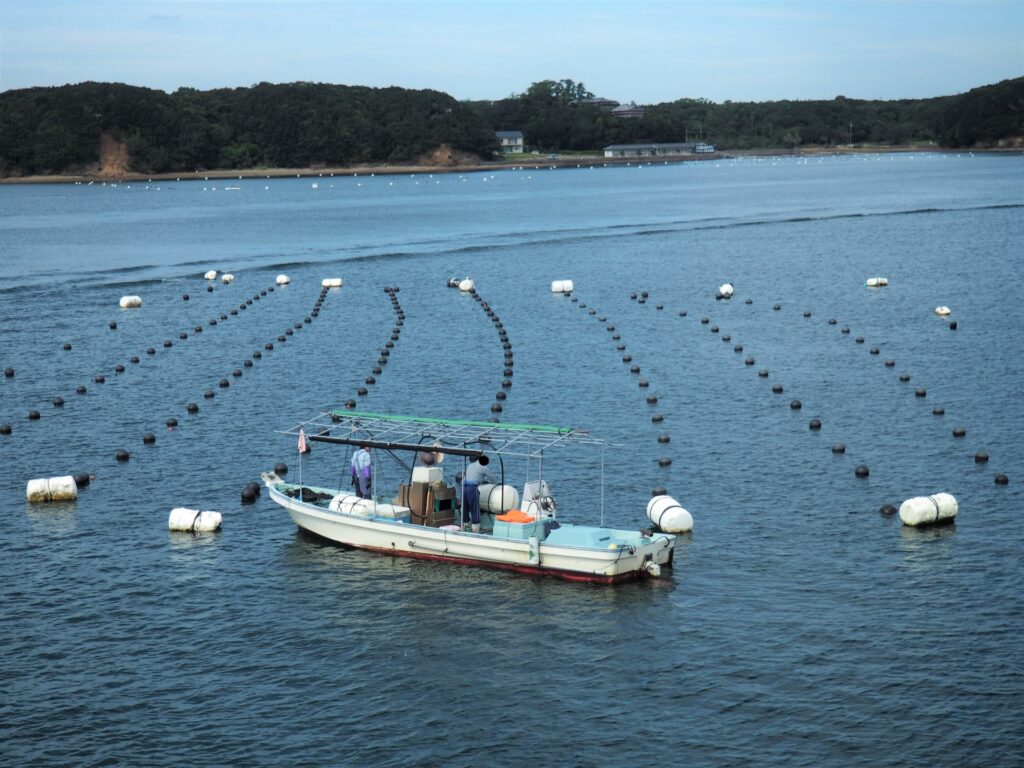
(541, 161)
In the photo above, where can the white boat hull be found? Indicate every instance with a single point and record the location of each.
(635, 557)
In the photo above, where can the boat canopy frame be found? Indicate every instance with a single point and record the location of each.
(459, 437)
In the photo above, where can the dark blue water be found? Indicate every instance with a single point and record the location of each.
(799, 627)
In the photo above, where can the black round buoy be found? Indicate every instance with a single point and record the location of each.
(133, 359)
(149, 438)
(208, 394)
(620, 347)
(749, 301)
(890, 363)
(659, 306)
(237, 372)
(682, 313)
(209, 289)
(664, 461)
(33, 415)
(150, 351)
(659, 491)
(248, 495)
(859, 340)
(959, 432)
(58, 402)
(192, 408)
(376, 369)
(749, 361)
(223, 383)
(887, 510)
(632, 295)
(591, 311)
(663, 438)
(832, 321)
(738, 348)
(82, 479)
(67, 347)
(184, 297)
(269, 345)
(5, 429)
(657, 418)
(920, 392)
(506, 383)
(904, 377)
(100, 379)
(182, 335)
(507, 372)
(861, 471)
(382, 360)
(705, 320)
(122, 455)
(1002, 480)
(500, 395)
(838, 448)
(616, 337)
(361, 391)
(281, 469)
(247, 363)
(763, 373)
(80, 389)
(777, 389)
(172, 422)
(168, 343)
(980, 457)
(289, 332)
(726, 337)
(371, 380)
(714, 329)
(874, 350)
(233, 312)
(952, 325)
(119, 368)
(350, 404)
(113, 325)
(307, 320)
(845, 329)
(795, 405)
(776, 307)
(257, 355)
(643, 383)
(807, 314)
(496, 408)
(652, 399)
(815, 424)
(938, 411)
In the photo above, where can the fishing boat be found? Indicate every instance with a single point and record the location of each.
(518, 532)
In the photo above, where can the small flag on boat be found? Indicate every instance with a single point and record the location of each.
(303, 448)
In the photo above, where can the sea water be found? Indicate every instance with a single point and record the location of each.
(798, 627)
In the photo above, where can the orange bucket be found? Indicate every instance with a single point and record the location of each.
(515, 516)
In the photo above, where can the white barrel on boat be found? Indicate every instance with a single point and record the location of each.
(52, 489)
(283, 280)
(227, 278)
(666, 513)
(331, 282)
(498, 498)
(925, 510)
(561, 286)
(725, 290)
(876, 282)
(211, 275)
(466, 285)
(943, 311)
(192, 520)
(131, 302)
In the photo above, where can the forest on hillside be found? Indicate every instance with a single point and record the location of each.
(57, 130)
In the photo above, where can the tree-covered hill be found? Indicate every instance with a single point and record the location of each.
(58, 130)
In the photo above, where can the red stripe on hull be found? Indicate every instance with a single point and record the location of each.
(532, 570)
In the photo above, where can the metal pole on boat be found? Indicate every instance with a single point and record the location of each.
(602, 485)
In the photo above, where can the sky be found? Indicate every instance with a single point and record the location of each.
(631, 50)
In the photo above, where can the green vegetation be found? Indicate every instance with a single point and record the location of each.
(58, 130)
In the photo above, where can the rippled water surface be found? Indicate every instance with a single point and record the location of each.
(799, 626)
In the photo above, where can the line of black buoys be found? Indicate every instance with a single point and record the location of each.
(149, 438)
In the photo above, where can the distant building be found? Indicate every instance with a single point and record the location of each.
(597, 101)
(511, 141)
(651, 150)
(628, 110)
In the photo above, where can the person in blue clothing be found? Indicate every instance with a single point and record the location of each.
(476, 474)
(361, 472)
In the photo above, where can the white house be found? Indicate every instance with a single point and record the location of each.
(511, 141)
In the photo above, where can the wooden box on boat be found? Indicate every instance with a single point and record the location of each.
(431, 504)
